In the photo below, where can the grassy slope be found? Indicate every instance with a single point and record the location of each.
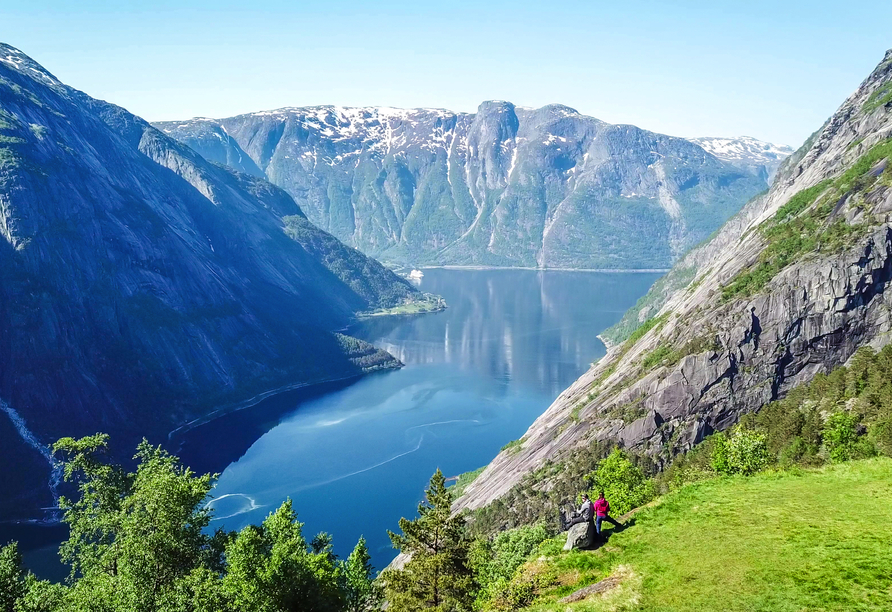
(794, 541)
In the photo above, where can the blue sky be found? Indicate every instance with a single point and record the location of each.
(772, 70)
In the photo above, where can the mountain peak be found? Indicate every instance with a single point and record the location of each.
(23, 64)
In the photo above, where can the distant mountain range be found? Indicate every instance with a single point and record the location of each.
(505, 186)
(142, 286)
(747, 152)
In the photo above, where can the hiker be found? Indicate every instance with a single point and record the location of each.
(584, 515)
(602, 510)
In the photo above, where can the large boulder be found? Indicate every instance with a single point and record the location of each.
(581, 535)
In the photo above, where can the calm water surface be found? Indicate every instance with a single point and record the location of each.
(356, 457)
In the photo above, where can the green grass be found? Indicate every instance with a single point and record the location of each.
(645, 327)
(656, 356)
(815, 540)
(880, 97)
(513, 446)
(463, 480)
(425, 303)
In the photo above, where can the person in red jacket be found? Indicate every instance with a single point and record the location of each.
(602, 513)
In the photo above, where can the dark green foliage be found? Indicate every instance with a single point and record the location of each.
(840, 436)
(380, 287)
(365, 355)
(139, 542)
(438, 576)
(624, 484)
(270, 568)
(496, 562)
(361, 592)
(858, 399)
(12, 578)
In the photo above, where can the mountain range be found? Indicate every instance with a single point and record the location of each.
(144, 286)
(505, 186)
(788, 289)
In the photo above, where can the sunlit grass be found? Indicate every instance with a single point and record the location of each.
(794, 541)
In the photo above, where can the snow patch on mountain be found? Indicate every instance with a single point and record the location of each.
(744, 149)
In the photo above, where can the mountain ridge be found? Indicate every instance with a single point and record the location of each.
(143, 286)
(505, 186)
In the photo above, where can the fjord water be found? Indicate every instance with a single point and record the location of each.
(355, 457)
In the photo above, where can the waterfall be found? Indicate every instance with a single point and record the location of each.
(31, 440)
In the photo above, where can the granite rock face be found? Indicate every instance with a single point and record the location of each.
(735, 353)
(505, 186)
(143, 286)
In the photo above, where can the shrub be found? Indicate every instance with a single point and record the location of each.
(624, 485)
(881, 433)
(495, 563)
(842, 440)
(744, 452)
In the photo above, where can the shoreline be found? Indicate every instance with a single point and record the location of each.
(253, 401)
(607, 343)
(256, 399)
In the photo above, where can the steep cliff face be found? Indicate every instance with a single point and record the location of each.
(790, 287)
(505, 186)
(143, 286)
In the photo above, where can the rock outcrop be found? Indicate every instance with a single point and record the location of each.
(580, 535)
(506, 186)
(790, 287)
(143, 286)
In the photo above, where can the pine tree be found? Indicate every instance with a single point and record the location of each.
(437, 575)
(361, 592)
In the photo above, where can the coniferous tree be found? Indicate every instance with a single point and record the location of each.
(437, 576)
(361, 592)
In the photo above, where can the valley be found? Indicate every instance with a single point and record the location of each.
(356, 358)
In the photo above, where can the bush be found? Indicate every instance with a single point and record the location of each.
(842, 440)
(744, 452)
(521, 590)
(882, 436)
(624, 485)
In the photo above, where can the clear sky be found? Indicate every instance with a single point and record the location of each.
(773, 70)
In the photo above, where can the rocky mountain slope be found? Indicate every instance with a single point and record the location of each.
(789, 288)
(506, 186)
(143, 286)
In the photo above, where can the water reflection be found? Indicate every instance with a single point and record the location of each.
(536, 328)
